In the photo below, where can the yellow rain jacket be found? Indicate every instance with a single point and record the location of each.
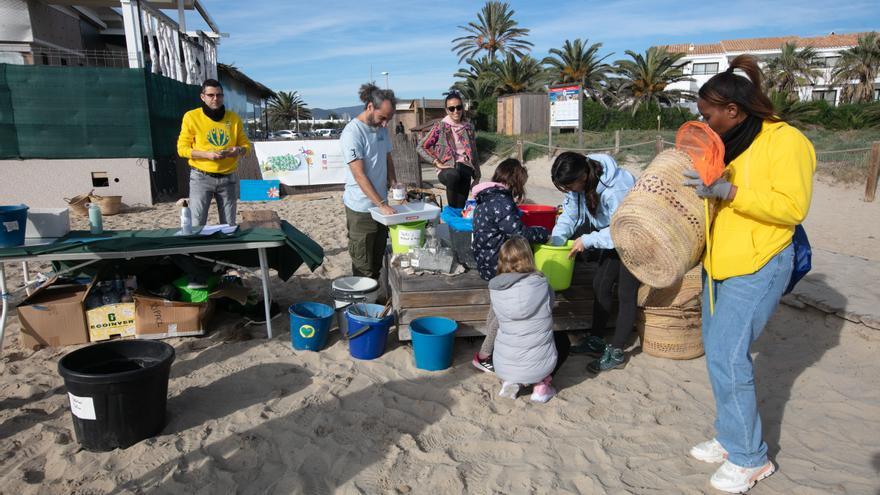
(198, 132)
(774, 181)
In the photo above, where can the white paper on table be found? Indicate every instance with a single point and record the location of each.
(224, 228)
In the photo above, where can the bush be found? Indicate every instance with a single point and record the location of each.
(485, 114)
(598, 118)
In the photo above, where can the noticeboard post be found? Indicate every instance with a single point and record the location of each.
(565, 110)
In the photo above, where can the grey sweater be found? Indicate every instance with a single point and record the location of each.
(524, 349)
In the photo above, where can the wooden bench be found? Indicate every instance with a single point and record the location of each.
(465, 298)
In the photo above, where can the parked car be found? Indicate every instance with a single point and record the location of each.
(286, 134)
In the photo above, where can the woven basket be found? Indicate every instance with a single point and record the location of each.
(109, 205)
(659, 228)
(683, 294)
(78, 204)
(671, 333)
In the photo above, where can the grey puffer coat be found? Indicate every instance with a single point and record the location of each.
(524, 349)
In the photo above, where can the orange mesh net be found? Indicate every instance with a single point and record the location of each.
(704, 147)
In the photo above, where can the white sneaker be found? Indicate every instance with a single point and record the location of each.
(709, 451)
(509, 390)
(731, 478)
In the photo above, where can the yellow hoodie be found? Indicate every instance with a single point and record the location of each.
(774, 181)
(198, 132)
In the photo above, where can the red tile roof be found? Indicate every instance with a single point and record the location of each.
(760, 44)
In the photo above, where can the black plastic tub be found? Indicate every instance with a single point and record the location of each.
(118, 391)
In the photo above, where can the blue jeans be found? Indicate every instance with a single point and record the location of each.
(203, 188)
(742, 307)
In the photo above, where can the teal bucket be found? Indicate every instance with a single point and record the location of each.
(433, 338)
(13, 223)
(367, 333)
(309, 325)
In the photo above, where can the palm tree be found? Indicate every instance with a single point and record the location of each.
(791, 69)
(518, 76)
(494, 32)
(857, 69)
(579, 64)
(647, 77)
(287, 106)
(477, 81)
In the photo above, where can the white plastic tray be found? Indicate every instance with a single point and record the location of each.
(408, 212)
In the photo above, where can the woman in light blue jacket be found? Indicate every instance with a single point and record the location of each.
(594, 187)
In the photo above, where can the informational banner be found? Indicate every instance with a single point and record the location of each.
(301, 163)
(565, 106)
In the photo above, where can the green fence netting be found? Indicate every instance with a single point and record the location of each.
(89, 112)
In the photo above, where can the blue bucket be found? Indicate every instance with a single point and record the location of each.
(433, 338)
(13, 223)
(368, 344)
(309, 325)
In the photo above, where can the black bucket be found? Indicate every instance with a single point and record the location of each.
(118, 391)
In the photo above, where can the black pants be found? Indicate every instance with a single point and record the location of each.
(458, 184)
(612, 270)
(563, 345)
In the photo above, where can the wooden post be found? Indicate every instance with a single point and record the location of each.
(519, 151)
(658, 147)
(873, 172)
(616, 142)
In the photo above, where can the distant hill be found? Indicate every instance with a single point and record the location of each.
(322, 113)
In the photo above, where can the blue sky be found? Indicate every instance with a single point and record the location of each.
(325, 50)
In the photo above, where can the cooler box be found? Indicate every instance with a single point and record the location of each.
(259, 190)
(47, 222)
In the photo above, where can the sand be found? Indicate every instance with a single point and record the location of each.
(251, 415)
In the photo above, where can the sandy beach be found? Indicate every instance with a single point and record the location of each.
(251, 415)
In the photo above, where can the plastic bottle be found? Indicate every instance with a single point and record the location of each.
(96, 222)
(185, 219)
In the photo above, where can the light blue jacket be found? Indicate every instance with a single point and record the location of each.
(613, 186)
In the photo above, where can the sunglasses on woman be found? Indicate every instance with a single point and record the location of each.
(456, 108)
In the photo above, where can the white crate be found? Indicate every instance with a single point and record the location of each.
(47, 222)
(407, 212)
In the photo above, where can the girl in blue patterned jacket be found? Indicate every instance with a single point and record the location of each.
(594, 187)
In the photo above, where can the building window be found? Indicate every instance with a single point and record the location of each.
(826, 62)
(829, 95)
(705, 69)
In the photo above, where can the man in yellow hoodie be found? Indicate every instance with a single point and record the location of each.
(212, 138)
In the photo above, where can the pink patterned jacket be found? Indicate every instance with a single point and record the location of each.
(439, 144)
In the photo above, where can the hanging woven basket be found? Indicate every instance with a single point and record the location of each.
(671, 333)
(659, 227)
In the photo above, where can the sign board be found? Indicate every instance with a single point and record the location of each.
(301, 163)
(565, 106)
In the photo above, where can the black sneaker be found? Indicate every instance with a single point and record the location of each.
(483, 364)
(612, 358)
(591, 345)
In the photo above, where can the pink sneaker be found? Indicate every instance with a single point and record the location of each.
(543, 391)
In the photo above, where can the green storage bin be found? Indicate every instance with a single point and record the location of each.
(195, 295)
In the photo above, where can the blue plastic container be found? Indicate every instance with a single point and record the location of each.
(310, 325)
(13, 223)
(433, 338)
(369, 344)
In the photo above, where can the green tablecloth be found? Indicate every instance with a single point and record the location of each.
(298, 248)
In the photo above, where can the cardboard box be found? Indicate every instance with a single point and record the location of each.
(157, 318)
(47, 223)
(54, 316)
(111, 320)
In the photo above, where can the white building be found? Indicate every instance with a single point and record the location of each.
(704, 61)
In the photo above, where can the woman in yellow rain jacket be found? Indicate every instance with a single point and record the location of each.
(764, 194)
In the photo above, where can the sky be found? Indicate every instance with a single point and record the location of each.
(326, 50)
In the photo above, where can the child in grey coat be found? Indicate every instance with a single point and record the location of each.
(526, 349)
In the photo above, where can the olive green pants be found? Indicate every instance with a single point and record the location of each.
(366, 243)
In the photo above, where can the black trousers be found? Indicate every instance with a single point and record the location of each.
(563, 345)
(458, 183)
(610, 271)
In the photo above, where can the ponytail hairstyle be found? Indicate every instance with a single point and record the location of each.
(569, 167)
(745, 92)
(515, 256)
(512, 174)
